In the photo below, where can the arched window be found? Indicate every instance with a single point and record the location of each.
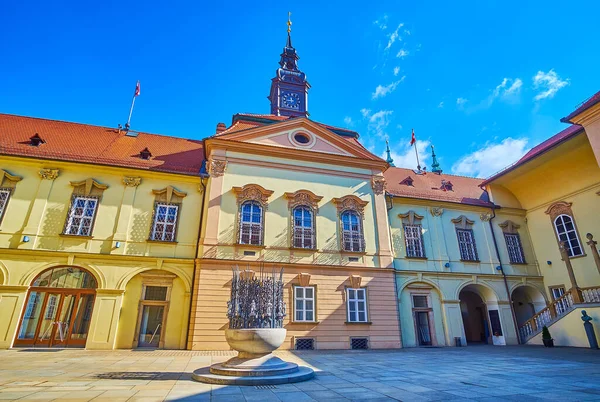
(303, 227)
(251, 223)
(352, 233)
(65, 277)
(565, 230)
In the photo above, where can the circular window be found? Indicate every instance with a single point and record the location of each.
(301, 138)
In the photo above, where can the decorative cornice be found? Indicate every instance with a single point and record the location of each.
(350, 202)
(252, 192)
(436, 211)
(89, 184)
(216, 167)
(559, 208)
(304, 279)
(131, 181)
(4, 175)
(462, 222)
(509, 226)
(169, 191)
(411, 217)
(303, 197)
(355, 281)
(485, 217)
(48, 174)
(378, 184)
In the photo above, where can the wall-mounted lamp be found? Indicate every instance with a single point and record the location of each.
(549, 262)
(447, 265)
(498, 268)
(25, 239)
(118, 244)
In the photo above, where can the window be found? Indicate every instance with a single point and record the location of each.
(165, 222)
(557, 292)
(81, 216)
(304, 303)
(303, 228)
(515, 250)
(414, 241)
(34, 299)
(157, 293)
(51, 307)
(352, 236)
(466, 244)
(251, 220)
(565, 230)
(4, 196)
(420, 301)
(357, 304)
(8, 183)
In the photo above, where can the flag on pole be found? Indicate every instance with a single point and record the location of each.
(413, 138)
(137, 89)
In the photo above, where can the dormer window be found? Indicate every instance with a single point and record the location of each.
(408, 181)
(36, 140)
(446, 185)
(145, 153)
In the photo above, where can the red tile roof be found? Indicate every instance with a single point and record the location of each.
(465, 190)
(101, 145)
(539, 149)
(584, 106)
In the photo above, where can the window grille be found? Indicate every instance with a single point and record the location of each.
(304, 303)
(4, 196)
(357, 305)
(81, 216)
(303, 228)
(565, 230)
(420, 301)
(466, 243)
(414, 241)
(165, 222)
(51, 307)
(359, 343)
(305, 344)
(251, 223)
(352, 234)
(515, 250)
(157, 293)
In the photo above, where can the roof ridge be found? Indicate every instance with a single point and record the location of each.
(442, 174)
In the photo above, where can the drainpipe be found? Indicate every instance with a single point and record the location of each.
(394, 267)
(512, 308)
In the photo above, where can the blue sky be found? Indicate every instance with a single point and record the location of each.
(483, 81)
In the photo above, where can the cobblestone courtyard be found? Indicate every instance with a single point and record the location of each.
(476, 373)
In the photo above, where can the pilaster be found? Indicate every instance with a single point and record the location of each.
(103, 330)
(38, 206)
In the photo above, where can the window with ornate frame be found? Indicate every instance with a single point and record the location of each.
(304, 303)
(84, 207)
(252, 200)
(165, 217)
(8, 182)
(513, 242)
(351, 215)
(565, 228)
(304, 207)
(413, 234)
(466, 238)
(356, 302)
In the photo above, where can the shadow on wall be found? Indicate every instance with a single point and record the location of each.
(139, 233)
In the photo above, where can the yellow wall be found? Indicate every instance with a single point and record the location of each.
(569, 330)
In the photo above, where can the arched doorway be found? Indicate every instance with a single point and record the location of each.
(480, 315)
(527, 301)
(58, 309)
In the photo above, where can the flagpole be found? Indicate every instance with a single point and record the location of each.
(417, 153)
(130, 112)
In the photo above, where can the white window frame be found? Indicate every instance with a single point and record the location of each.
(560, 291)
(360, 295)
(354, 237)
(304, 299)
(254, 228)
(569, 243)
(162, 236)
(79, 227)
(468, 241)
(413, 239)
(5, 194)
(514, 248)
(304, 234)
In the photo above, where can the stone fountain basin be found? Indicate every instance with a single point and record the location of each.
(255, 341)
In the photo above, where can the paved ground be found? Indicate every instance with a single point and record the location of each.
(478, 372)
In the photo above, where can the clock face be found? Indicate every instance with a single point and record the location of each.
(290, 100)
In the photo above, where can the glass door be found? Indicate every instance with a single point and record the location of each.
(63, 321)
(423, 328)
(48, 320)
(82, 317)
(150, 325)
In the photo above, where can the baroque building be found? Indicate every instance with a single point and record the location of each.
(112, 238)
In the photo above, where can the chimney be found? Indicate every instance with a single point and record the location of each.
(221, 127)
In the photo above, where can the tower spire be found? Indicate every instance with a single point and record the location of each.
(289, 30)
(435, 166)
(389, 157)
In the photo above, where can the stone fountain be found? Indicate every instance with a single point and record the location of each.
(255, 311)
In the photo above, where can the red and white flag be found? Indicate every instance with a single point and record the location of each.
(137, 89)
(413, 138)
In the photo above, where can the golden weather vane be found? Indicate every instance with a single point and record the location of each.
(289, 23)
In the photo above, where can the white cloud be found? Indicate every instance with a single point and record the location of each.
(491, 158)
(515, 88)
(441, 105)
(460, 102)
(549, 83)
(505, 91)
(378, 121)
(382, 91)
(402, 54)
(365, 112)
(381, 23)
(404, 156)
(396, 71)
(406, 31)
(348, 121)
(393, 37)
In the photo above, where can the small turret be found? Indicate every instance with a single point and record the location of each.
(435, 166)
(389, 157)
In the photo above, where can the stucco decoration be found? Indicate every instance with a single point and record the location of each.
(350, 202)
(130, 181)
(509, 227)
(88, 187)
(252, 192)
(169, 194)
(378, 184)
(48, 174)
(410, 218)
(8, 180)
(559, 208)
(436, 211)
(216, 167)
(462, 222)
(355, 281)
(485, 217)
(303, 197)
(304, 279)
